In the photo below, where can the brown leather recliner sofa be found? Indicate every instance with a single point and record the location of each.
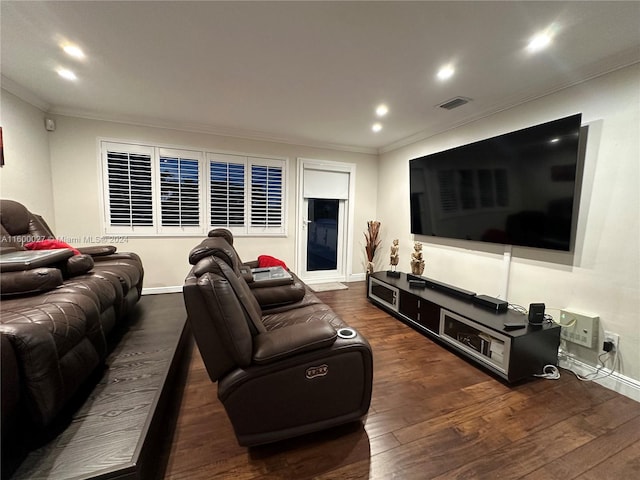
(292, 368)
(55, 317)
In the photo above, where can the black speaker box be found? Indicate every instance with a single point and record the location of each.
(536, 313)
(417, 284)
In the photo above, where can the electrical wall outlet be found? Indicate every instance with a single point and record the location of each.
(613, 338)
(584, 330)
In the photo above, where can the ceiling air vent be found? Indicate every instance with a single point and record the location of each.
(454, 103)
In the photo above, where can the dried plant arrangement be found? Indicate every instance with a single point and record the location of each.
(372, 242)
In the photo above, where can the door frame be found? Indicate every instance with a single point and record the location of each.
(346, 257)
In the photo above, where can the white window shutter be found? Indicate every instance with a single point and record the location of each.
(129, 192)
(227, 190)
(180, 182)
(156, 190)
(267, 197)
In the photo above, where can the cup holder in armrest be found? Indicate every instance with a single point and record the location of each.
(347, 333)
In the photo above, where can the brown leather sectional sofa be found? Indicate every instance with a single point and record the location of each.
(286, 364)
(56, 312)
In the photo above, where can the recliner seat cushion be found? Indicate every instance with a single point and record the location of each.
(54, 353)
(49, 308)
(310, 313)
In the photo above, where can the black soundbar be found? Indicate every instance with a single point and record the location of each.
(443, 287)
(491, 303)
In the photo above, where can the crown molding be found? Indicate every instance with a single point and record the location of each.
(624, 60)
(31, 98)
(23, 93)
(210, 130)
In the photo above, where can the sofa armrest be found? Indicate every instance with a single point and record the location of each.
(246, 273)
(30, 281)
(292, 340)
(76, 265)
(278, 296)
(98, 250)
(252, 264)
(270, 282)
(128, 256)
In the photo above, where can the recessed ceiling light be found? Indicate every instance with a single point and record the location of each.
(446, 72)
(376, 127)
(382, 110)
(539, 41)
(73, 51)
(554, 140)
(68, 74)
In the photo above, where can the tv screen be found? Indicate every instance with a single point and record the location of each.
(517, 189)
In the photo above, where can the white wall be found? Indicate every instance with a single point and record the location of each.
(603, 276)
(76, 190)
(26, 176)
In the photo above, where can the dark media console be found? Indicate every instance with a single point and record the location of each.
(485, 335)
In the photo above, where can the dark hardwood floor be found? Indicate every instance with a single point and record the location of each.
(433, 415)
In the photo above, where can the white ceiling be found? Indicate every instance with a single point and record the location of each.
(306, 72)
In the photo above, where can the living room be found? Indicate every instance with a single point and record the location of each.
(59, 175)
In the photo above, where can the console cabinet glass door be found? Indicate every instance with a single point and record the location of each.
(383, 293)
(481, 343)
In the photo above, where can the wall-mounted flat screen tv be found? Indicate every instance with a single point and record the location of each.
(516, 189)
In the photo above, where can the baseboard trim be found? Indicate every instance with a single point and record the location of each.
(357, 277)
(160, 290)
(617, 382)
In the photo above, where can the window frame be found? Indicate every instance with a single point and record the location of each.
(203, 158)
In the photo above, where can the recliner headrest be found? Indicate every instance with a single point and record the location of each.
(206, 265)
(223, 233)
(20, 226)
(14, 217)
(214, 246)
